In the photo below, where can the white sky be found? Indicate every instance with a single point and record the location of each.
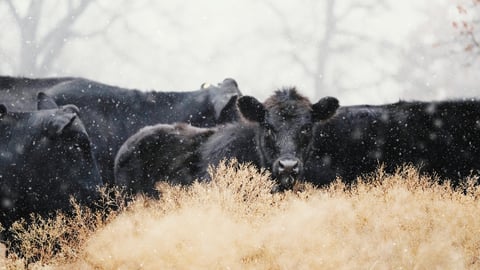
(180, 44)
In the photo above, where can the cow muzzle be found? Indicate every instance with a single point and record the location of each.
(286, 171)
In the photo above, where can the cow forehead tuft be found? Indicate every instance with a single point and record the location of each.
(287, 99)
(288, 105)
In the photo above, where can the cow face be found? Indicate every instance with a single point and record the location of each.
(45, 156)
(285, 130)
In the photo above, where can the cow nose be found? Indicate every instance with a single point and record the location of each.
(288, 166)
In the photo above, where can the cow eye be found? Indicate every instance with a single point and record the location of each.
(306, 130)
(305, 134)
(271, 134)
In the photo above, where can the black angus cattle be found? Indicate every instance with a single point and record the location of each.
(160, 152)
(441, 138)
(45, 157)
(112, 114)
(275, 135)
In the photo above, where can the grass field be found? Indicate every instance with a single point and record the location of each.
(400, 221)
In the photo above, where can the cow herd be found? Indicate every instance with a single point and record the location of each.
(63, 137)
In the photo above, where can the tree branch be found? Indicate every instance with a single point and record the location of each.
(14, 12)
(287, 32)
(474, 39)
(62, 29)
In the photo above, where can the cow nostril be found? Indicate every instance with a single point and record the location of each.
(288, 166)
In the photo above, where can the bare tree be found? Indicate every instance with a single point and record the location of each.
(323, 42)
(441, 61)
(39, 50)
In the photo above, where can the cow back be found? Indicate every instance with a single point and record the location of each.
(112, 114)
(438, 138)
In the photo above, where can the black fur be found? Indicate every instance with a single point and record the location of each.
(161, 152)
(441, 138)
(282, 135)
(45, 157)
(112, 114)
(276, 135)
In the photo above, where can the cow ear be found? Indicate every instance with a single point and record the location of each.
(229, 82)
(45, 102)
(229, 113)
(251, 109)
(324, 108)
(71, 109)
(59, 123)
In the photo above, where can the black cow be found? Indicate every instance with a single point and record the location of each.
(112, 114)
(45, 157)
(161, 152)
(441, 138)
(275, 135)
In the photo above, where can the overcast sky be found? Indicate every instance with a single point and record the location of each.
(377, 51)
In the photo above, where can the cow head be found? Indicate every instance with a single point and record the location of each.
(223, 97)
(285, 130)
(45, 157)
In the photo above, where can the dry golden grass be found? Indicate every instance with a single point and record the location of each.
(59, 240)
(400, 221)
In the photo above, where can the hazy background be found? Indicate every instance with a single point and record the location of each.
(361, 51)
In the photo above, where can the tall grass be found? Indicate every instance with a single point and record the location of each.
(399, 221)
